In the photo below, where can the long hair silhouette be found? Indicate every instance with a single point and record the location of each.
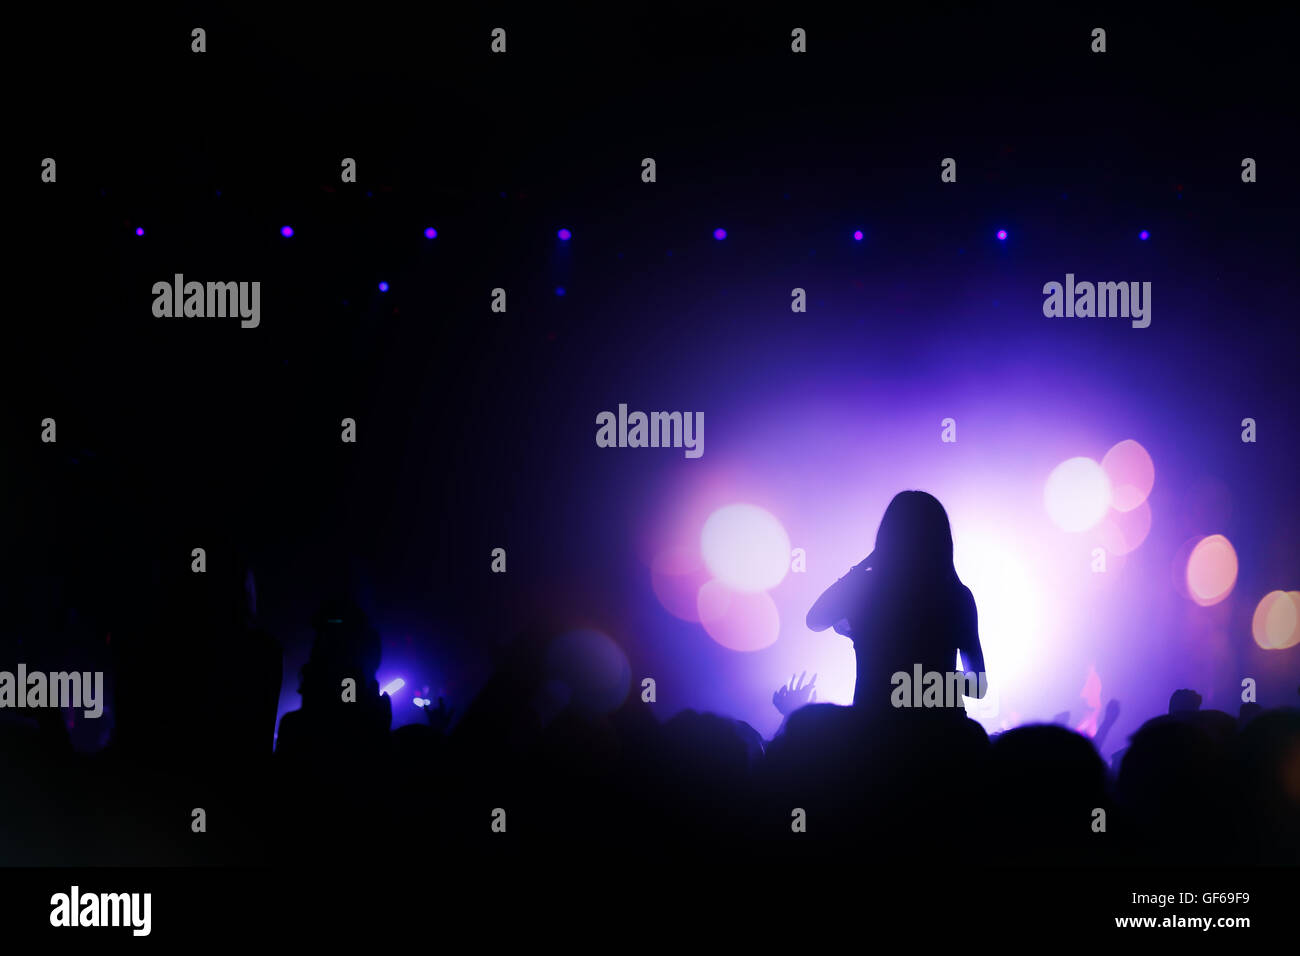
(915, 539)
(904, 605)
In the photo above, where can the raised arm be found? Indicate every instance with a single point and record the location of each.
(839, 600)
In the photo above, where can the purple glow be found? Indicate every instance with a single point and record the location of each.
(719, 234)
(431, 233)
(393, 686)
(383, 287)
(1002, 234)
(286, 231)
(1021, 565)
(857, 234)
(565, 235)
(559, 290)
(139, 230)
(1144, 235)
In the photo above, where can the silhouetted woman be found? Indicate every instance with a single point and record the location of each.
(904, 604)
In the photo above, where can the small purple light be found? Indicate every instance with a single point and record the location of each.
(857, 234)
(719, 234)
(1144, 235)
(431, 233)
(139, 230)
(565, 235)
(559, 290)
(383, 287)
(286, 231)
(1002, 235)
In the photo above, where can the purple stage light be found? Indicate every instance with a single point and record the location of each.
(1144, 235)
(564, 235)
(139, 230)
(719, 234)
(1002, 235)
(383, 287)
(393, 686)
(286, 231)
(857, 234)
(431, 233)
(559, 290)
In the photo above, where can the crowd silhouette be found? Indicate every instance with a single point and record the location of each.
(921, 786)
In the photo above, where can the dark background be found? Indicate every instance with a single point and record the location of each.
(474, 427)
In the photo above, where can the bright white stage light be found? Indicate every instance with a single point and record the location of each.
(745, 548)
(1077, 495)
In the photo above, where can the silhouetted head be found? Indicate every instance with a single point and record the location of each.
(914, 537)
(346, 645)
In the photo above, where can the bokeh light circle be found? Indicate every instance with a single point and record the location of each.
(1276, 623)
(738, 620)
(676, 576)
(1295, 635)
(1077, 495)
(1131, 473)
(745, 547)
(592, 667)
(1123, 531)
(1211, 570)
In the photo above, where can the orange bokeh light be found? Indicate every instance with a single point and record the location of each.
(1211, 570)
(1276, 624)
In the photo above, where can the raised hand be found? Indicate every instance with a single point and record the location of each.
(788, 699)
(1107, 722)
